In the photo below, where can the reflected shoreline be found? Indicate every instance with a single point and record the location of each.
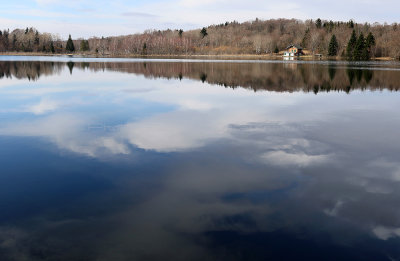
(277, 77)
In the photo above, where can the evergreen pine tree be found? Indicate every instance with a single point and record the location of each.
(365, 55)
(351, 45)
(203, 32)
(84, 45)
(333, 46)
(36, 40)
(370, 41)
(52, 47)
(331, 25)
(359, 49)
(70, 45)
(318, 23)
(144, 49)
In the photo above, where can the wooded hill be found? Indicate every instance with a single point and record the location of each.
(253, 37)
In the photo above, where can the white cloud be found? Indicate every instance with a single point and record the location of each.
(300, 159)
(392, 169)
(44, 106)
(334, 211)
(384, 233)
(201, 113)
(113, 145)
(69, 132)
(175, 131)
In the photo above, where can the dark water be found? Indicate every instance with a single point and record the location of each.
(193, 160)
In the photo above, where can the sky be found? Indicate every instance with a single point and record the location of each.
(120, 17)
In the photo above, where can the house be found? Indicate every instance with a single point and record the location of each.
(293, 50)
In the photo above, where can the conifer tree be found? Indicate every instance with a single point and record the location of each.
(318, 23)
(365, 54)
(359, 49)
(351, 45)
(203, 32)
(37, 39)
(331, 25)
(144, 49)
(84, 45)
(370, 41)
(52, 47)
(333, 46)
(70, 45)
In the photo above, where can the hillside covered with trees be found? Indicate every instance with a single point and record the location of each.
(349, 40)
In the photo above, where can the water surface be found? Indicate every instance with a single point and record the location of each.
(115, 159)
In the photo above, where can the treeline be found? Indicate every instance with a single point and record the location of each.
(30, 40)
(253, 37)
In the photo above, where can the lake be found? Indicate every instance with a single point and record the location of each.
(135, 159)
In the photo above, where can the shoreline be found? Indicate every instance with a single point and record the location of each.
(190, 56)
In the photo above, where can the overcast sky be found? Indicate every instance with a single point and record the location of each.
(105, 18)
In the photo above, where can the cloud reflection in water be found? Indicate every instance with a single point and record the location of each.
(205, 162)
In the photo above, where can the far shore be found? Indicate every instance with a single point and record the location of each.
(189, 56)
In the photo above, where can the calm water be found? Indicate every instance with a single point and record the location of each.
(115, 159)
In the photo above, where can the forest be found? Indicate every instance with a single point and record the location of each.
(347, 40)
